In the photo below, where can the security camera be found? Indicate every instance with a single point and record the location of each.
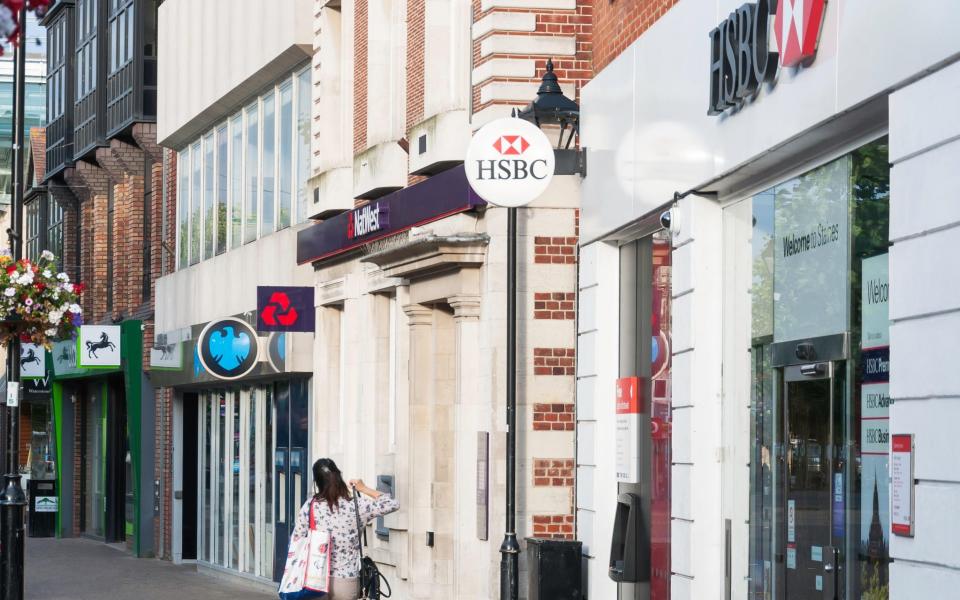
(665, 219)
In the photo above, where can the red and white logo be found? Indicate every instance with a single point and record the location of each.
(797, 28)
(511, 145)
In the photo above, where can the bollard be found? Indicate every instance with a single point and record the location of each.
(12, 505)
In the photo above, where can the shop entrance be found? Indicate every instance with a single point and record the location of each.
(810, 565)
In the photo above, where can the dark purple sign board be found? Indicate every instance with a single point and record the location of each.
(285, 308)
(439, 196)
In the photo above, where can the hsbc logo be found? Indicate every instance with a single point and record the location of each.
(797, 29)
(740, 56)
(509, 162)
(511, 145)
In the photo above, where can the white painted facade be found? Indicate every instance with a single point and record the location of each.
(883, 67)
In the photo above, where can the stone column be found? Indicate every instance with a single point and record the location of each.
(420, 449)
(471, 415)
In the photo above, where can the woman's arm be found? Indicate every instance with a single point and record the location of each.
(377, 505)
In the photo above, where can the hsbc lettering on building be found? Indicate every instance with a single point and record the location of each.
(509, 162)
(740, 55)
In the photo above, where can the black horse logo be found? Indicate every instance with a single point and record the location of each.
(165, 351)
(30, 356)
(104, 342)
(65, 355)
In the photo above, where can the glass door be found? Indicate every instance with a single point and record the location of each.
(810, 559)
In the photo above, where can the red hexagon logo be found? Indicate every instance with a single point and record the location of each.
(278, 311)
(797, 29)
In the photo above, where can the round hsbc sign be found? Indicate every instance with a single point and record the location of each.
(509, 162)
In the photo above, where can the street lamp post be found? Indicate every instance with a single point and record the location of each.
(12, 500)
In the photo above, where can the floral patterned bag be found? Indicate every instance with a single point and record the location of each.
(307, 572)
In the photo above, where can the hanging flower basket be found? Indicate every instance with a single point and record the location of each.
(37, 303)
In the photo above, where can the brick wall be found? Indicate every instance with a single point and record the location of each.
(558, 306)
(553, 472)
(618, 24)
(576, 68)
(553, 526)
(555, 250)
(553, 417)
(360, 77)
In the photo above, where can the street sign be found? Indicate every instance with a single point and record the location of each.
(13, 393)
(509, 162)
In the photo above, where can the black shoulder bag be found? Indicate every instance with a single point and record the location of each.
(370, 578)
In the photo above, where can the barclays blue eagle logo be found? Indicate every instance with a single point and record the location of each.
(228, 347)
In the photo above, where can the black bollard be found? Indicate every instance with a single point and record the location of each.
(13, 502)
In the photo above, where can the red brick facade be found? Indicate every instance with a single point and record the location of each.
(577, 68)
(554, 526)
(553, 472)
(617, 24)
(558, 306)
(553, 417)
(555, 250)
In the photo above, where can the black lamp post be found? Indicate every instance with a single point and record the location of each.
(550, 107)
(12, 499)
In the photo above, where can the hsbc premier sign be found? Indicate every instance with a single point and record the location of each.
(740, 55)
(509, 162)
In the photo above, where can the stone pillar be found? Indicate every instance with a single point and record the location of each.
(420, 449)
(471, 415)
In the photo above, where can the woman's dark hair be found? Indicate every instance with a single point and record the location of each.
(329, 482)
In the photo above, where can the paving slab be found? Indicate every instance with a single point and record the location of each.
(82, 569)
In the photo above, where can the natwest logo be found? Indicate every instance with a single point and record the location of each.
(509, 162)
(797, 29)
(367, 219)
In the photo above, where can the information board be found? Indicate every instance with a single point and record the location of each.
(628, 409)
(901, 484)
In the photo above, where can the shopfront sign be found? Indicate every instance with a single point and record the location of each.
(440, 196)
(33, 361)
(228, 348)
(811, 254)
(372, 218)
(901, 484)
(65, 358)
(509, 162)
(98, 346)
(167, 356)
(629, 406)
(740, 56)
(285, 308)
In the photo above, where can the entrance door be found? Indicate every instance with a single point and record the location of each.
(292, 469)
(810, 563)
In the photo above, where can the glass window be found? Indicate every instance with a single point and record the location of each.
(268, 212)
(236, 181)
(33, 230)
(235, 477)
(205, 445)
(270, 434)
(183, 208)
(819, 246)
(55, 229)
(222, 449)
(304, 103)
(222, 175)
(209, 222)
(286, 153)
(251, 482)
(252, 174)
(195, 206)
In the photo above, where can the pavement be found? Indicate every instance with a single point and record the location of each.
(82, 569)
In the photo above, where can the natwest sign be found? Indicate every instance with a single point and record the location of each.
(368, 219)
(509, 162)
(740, 55)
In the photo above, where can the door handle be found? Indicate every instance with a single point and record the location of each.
(828, 567)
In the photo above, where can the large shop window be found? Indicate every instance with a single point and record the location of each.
(242, 177)
(237, 442)
(818, 498)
